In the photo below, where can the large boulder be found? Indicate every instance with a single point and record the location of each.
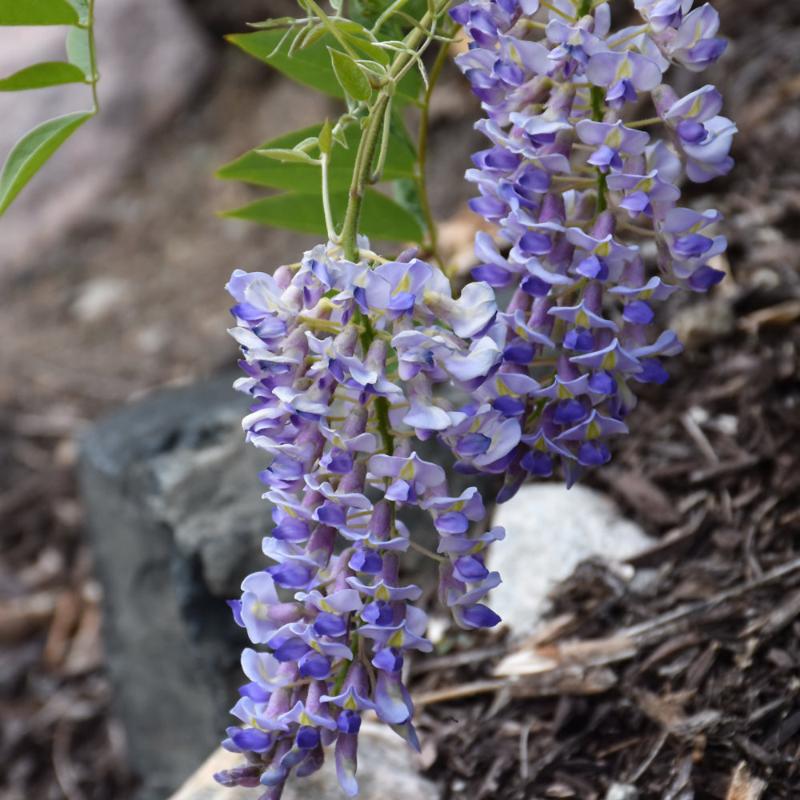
(175, 516)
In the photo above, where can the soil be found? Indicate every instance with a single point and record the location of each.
(624, 693)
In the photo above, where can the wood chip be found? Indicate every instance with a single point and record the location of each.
(744, 786)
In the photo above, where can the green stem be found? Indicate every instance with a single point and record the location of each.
(370, 137)
(93, 57)
(392, 9)
(384, 149)
(598, 112)
(422, 155)
(584, 8)
(381, 403)
(361, 172)
(332, 29)
(326, 198)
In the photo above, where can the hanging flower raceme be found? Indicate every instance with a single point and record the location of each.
(587, 204)
(341, 360)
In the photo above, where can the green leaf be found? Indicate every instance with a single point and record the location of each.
(33, 150)
(82, 7)
(350, 76)
(37, 12)
(39, 76)
(79, 50)
(310, 66)
(381, 217)
(359, 37)
(304, 178)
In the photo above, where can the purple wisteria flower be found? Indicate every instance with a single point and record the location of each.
(585, 191)
(341, 360)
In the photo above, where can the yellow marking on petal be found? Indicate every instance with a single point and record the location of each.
(593, 431)
(350, 704)
(610, 360)
(382, 593)
(325, 606)
(305, 719)
(404, 284)
(614, 138)
(625, 70)
(582, 319)
(396, 639)
(694, 110)
(603, 249)
(563, 392)
(407, 472)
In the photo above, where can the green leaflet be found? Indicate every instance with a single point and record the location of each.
(33, 150)
(310, 65)
(37, 12)
(350, 76)
(381, 217)
(306, 178)
(39, 76)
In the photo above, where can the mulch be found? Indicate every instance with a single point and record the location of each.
(668, 673)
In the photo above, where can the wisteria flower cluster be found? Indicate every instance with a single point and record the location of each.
(587, 203)
(345, 356)
(340, 359)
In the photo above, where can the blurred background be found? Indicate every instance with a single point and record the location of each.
(112, 267)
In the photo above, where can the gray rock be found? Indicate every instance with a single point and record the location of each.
(175, 518)
(386, 771)
(151, 59)
(549, 531)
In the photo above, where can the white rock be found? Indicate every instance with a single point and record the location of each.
(386, 771)
(151, 57)
(549, 531)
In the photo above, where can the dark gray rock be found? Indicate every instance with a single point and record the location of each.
(175, 516)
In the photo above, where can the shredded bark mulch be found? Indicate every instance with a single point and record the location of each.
(665, 676)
